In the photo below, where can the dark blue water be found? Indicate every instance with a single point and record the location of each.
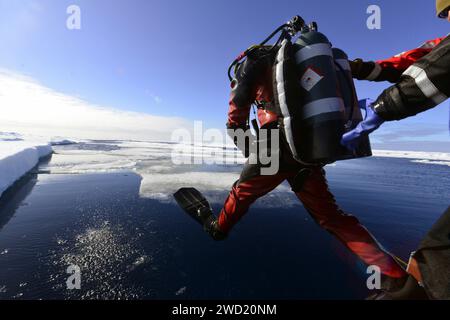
(133, 248)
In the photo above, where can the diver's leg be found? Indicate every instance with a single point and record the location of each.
(244, 192)
(321, 204)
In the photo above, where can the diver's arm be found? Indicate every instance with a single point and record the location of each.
(391, 69)
(242, 95)
(424, 85)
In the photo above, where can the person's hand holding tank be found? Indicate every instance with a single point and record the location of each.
(371, 122)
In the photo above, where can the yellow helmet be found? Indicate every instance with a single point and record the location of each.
(442, 7)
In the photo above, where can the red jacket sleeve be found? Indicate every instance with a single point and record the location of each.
(422, 86)
(391, 69)
(404, 60)
(239, 105)
(243, 93)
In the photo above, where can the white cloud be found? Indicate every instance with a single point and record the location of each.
(29, 107)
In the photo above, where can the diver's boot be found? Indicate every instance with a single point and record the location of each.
(211, 226)
(411, 290)
(391, 284)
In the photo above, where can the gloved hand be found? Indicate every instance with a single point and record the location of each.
(246, 146)
(356, 66)
(371, 122)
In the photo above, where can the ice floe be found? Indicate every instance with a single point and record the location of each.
(440, 158)
(161, 165)
(18, 157)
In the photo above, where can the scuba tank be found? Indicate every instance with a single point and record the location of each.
(322, 110)
(352, 107)
(314, 94)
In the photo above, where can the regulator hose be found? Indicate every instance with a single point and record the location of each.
(252, 48)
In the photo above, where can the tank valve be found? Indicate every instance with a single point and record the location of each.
(295, 25)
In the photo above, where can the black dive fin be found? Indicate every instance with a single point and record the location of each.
(194, 203)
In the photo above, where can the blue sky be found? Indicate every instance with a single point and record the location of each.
(169, 58)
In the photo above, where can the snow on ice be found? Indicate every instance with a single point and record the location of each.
(152, 160)
(17, 157)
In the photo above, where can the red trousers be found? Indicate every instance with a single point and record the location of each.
(321, 204)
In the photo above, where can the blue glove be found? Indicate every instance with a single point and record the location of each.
(371, 122)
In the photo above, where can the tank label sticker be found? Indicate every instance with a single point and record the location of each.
(309, 79)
